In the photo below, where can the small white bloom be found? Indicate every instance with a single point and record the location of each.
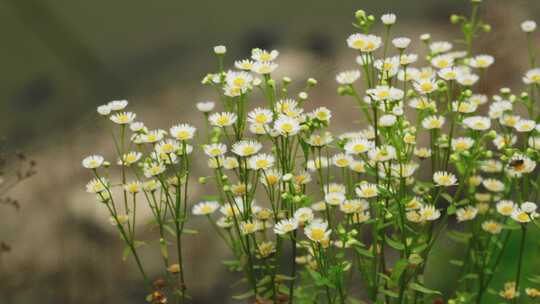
(528, 26)
(182, 131)
(348, 77)
(466, 214)
(93, 161)
(104, 110)
(117, 105)
(445, 179)
(123, 118)
(205, 106)
(401, 42)
(479, 123)
(285, 226)
(388, 19)
(205, 208)
(287, 126)
(220, 49)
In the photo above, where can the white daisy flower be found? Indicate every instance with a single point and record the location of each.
(239, 80)
(479, 123)
(220, 49)
(367, 190)
(334, 198)
(481, 61)
(520, 164)
(133, 187)
(529, 207)
(528, 26)
(429, 213)
(387, 120)
(153, 169)
(154, 136)
(260, 116)
(117, 105)
(304, 215)
(503, 141)
(467, 79)
(433, 122)
(322, 114)
(464, 106)
(137, 126)
(348, 77)
(438, 47)
(342, 160)
(287, 126)
(317, 231)
(261, 162)
(246, 148)
(532, 76)
(382, 153)
(205, 208)
(380, 93)
(442, 61)
(491, 227)
(358, 145)
(205, 106)
(264, 67)
(245, 64)
(493, 185)
(445, 179)
(167, 146)
(215, 150)
(525, 125)
(97, 185)
(263, 55)
(182, 131)
(405, 60)
(223, 119)
(466, 214)
(123, 118)
(461, 144)
(534, 142)
(425, 86)
(93, 161)
(521, 216)
(505, 207)
(388, 19)
(285, 226)
(401, 42)
(104, 110)
(364, 43)
(129, 158)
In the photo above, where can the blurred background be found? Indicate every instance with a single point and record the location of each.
(62, 58)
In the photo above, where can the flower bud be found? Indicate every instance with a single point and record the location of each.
(311, 82)
(360, 14)
(220, 49)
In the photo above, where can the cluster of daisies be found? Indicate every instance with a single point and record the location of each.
(433, 153)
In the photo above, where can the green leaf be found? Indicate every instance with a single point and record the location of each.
(447, 197)
(190, 231)
(451, 209)
(395, 244)
(244, 296)
(126, 253)
(423, 289)
(399, 268)
(458, 236)
(390, 293)
(364, 252)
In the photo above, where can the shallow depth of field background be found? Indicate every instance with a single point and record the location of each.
(60, 59)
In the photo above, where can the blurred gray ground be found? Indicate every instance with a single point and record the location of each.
(62, 58)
